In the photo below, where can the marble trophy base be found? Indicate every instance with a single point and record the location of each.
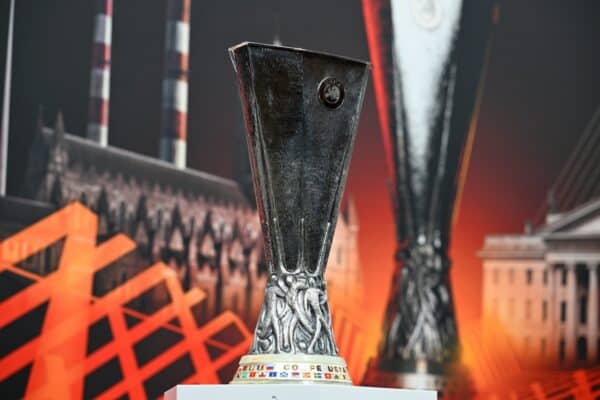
(292, 368)
(290, 391)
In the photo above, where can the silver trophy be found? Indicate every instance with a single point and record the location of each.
(427, 57)
(301, 110)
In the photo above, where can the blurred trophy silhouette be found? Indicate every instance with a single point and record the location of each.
(301, 111)
(427, 57)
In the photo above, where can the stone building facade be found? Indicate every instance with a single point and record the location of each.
(542, 287)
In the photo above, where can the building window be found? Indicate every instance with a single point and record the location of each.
(581, 348)
(561, 350)
(563, 311)
(511, 276)
(529, 276)
(583, 310)
(527, 310)
(511, 308)
(544, 310)
(543, 347)
(563, 276)
(545, 277)
(496, 276)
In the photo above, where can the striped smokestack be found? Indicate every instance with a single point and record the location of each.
(175, 83)
(97, 129)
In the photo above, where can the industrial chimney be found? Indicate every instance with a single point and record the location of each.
(97, 129)
(175, 83)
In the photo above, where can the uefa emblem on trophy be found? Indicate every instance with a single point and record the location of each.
(301, 110)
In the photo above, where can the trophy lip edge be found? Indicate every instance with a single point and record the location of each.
(233, 48)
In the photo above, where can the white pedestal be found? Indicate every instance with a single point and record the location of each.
(293, 392)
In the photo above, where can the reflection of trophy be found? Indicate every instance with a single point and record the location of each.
(302, 111)
(427, 57)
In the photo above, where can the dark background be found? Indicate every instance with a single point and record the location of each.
(541, 88)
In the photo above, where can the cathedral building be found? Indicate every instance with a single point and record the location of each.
(200, 225)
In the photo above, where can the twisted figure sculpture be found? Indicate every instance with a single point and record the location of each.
(297, 302)
(420, 308)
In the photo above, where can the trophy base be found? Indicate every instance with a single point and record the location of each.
(292, 368)
(454, 383)
(404, 380)
(375, 376)
(294, 392)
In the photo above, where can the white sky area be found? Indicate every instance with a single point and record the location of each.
(423, 32)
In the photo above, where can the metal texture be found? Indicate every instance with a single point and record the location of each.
(427, 57)
(301, 112)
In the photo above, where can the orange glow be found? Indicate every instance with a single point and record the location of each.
(58, 354)
(497, 374)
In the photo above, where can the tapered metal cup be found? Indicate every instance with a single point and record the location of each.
(427, 57)
(301, 111)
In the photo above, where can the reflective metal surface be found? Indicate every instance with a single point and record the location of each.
(427, 57)
(301, 112)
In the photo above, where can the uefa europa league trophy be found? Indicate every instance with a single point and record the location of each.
(301, 111)
(427, 57)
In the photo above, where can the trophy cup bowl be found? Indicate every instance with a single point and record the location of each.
(301, 110)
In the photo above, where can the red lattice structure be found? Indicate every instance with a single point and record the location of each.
(574, 385)
(580, 384)
(59, 341)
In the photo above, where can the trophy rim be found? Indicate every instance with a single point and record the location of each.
(241, 45)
